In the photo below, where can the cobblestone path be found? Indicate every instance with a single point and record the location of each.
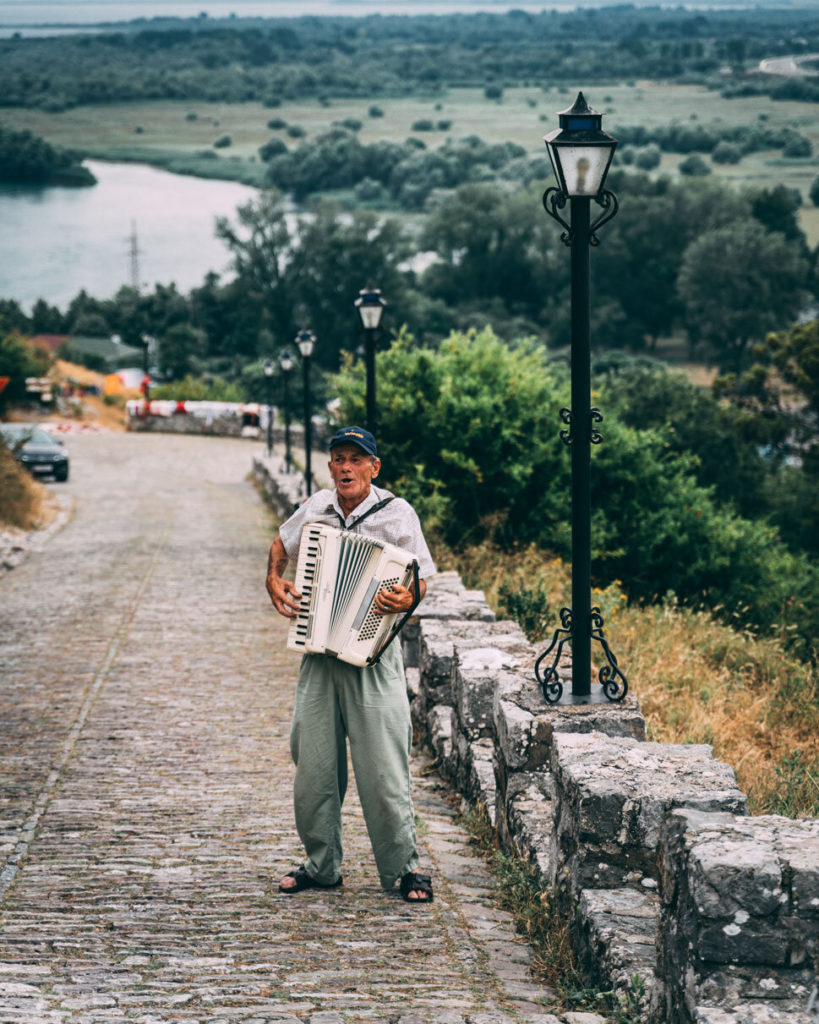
(145, 785)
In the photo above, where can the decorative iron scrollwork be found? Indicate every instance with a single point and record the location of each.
(608, 200)
(550, 683)
(595, 416)
(609, 674)
(566, 435)
(554, 200)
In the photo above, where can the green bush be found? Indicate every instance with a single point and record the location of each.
(199, 389)
(19, 360)
(469, 434)
(694, 166)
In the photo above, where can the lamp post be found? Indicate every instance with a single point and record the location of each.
(306, 342)
(581, 153)
(286, 363)
(268, 380)
(370, 306)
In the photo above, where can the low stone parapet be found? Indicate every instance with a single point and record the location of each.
(283, 490)
(611, 797)
(739, 923)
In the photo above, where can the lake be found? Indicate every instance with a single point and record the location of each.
(56, 241)
(21, 14)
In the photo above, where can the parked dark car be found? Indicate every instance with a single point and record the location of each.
(36, 449)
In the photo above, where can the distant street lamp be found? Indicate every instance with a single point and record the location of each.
(370, 306)
(268, 378)
(581, 153)
(306, 342)
(286, 363)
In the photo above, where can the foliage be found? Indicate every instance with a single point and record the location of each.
(199, 389)
(408, 172)
(20, 496)
(291, 274)
(18, 360)
(736, 284)
(694, 167)
(488, 464)
(26, 158)
(720, 436)
(536, 917)
(488, 437)
(778, 400)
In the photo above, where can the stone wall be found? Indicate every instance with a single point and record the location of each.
(629, 836)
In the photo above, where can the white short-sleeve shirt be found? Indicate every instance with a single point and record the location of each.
(397, 523)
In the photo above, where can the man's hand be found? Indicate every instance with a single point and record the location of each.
(396, 599)
(284, 596)
(282, 592)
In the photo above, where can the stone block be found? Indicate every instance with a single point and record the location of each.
(413, 678)
(436, 654)
(441, 726)
(737, 920)
(524, 819)
(611, 797)
(525, 724)
(750, 1013)
(615, 932)
(448, 598)
(478, 661)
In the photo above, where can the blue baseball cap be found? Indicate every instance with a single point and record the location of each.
(357, 436)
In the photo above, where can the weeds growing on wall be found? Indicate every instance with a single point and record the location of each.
(555, 963)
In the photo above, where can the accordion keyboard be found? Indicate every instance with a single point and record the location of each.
(308, 572)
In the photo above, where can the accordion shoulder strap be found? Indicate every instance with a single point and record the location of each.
(364, 515)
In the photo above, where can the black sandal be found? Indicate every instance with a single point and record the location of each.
(304, 881)
(413, 882)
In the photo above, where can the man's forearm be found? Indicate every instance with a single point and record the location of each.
(277, 559)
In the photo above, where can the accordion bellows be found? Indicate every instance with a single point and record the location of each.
(339, 575)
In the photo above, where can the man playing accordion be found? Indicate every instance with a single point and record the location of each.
(335, 700)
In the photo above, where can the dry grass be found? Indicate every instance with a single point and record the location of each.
(22, 499)
(698, 680)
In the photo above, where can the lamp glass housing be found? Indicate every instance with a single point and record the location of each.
(580, 151)
(306, 341)
(286, 362)
(580, 169)
(370, 316)
(268, 368)
(370, 306)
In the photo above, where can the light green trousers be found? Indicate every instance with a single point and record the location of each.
(335, 701)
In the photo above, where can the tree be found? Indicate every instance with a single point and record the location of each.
(19, 360)
(736, 284)
(262, 244)
(694, 166)
(338, 255)
(490, 246)
(180, 348)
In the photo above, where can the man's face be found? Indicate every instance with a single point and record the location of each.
(352, 470)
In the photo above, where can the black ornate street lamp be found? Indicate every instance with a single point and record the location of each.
(370, 306)
(286, 364)
(581, 154)
(268, 379)
(306, 342)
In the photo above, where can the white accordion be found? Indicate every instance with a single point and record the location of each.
(339, 575)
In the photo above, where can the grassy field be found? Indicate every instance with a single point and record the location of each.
(161, 131)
